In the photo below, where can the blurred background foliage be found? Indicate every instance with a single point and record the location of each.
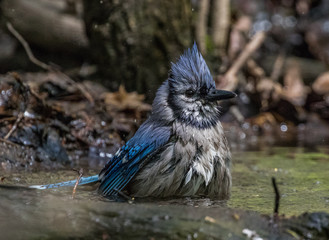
(133, 42)
(274, 54)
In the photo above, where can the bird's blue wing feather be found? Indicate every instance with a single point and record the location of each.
(124, 165)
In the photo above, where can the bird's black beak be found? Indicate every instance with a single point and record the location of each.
(215, 95)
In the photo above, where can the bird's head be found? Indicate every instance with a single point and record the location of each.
(192, 95)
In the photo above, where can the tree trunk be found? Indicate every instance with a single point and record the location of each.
(133, 42)
(202, 25)
(221, 23)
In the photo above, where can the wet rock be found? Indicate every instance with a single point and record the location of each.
(51, 148)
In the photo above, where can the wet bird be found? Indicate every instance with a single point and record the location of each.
(181, 149)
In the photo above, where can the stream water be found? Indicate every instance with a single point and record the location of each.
(301, 174)
(302, 177)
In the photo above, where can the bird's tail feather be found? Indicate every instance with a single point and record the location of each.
(83, 180)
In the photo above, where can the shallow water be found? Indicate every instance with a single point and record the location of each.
(301, 174)
(302, 177)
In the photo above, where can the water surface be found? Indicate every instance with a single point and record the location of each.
(302, 177)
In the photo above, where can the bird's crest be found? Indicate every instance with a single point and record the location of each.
(191, 68)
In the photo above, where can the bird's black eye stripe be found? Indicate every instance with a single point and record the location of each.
(189, 92)
(204, 91)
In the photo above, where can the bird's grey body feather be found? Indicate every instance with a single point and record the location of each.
(201, 161)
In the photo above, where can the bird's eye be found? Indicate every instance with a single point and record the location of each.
(189, 93)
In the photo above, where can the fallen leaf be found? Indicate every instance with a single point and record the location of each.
(236, 216)
(122, 100)
(210, 219)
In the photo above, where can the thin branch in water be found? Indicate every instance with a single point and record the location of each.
(277, 197)
(80, 172)
(27, 48)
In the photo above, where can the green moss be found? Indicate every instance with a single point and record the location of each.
(302, 177)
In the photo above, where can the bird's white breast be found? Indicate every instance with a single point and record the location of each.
(212, 147)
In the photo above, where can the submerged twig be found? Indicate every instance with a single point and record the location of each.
(277, 197)
(80, 172)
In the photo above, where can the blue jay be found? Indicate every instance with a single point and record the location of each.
(180, 150)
